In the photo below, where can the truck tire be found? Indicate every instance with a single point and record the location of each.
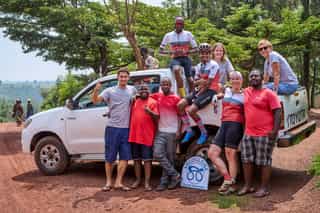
(51, 156)
(202, 150)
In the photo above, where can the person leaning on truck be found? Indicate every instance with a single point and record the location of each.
(262, 111)
(119, 99)
(164, 147)
(285, 81)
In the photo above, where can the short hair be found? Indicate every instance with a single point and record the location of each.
(123, 70)
(237, 73)
(266, 42)
(219, 44)
(256, 70)
(166, 79)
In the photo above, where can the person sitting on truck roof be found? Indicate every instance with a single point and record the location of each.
(144, 119)
(219, 54)
(207, 82)
(180, 42)
(229, 134)
(262, 111)
(285, 81)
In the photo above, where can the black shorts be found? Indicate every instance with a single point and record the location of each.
(141, 152)
(183, 61)
(201, 100)
(229, 135)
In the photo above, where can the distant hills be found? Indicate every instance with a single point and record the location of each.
(10, 91)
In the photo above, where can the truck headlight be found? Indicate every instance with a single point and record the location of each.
(27, 122)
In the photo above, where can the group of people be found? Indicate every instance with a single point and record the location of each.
(144, 126)
(18, 112)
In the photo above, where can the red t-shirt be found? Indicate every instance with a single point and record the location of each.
(258, 106)
(142, 126)
(168, 110)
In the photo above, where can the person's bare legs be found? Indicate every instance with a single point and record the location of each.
(108, 167)
(248, 172)
(231, 155)
(122, 166)
(191, 85)
(214, 155)
(177, 74)
(147, 174)
(265, 177)
(137, 172)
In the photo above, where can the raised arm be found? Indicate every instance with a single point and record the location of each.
(95, 96)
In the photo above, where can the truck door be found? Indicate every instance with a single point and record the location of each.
(85, 125)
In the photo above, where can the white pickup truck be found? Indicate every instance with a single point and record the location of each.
(76, 131)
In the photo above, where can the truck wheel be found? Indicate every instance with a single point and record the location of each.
(51, 156)
(202, 150)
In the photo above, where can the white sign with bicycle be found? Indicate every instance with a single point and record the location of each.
(195, 173)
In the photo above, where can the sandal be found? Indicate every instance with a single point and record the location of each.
(261, 193)
(225, 185)
(147, 188)
(123, 188)
(135, 185)
(246, 190)
(106, 188)
(229, 191)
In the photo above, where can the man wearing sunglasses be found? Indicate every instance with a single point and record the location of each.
(276, 67)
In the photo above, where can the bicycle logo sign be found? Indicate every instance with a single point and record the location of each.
(195, 173)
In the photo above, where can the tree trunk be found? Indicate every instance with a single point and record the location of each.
(103, 59)
(313, 89)
(136, 50)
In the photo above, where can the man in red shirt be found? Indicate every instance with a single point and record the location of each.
(164, 149)
(262, 122)
(144, 117)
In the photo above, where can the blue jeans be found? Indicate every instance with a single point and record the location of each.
(284, 88)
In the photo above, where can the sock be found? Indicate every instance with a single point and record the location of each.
(227, 177)
(182, 92)
(186, 122)
(201, 126)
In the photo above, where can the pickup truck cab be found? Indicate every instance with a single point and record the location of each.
(76, 131)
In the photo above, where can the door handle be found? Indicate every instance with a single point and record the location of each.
(71, 118)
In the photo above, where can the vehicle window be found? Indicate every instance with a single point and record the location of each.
(84, 101)
(153, 81)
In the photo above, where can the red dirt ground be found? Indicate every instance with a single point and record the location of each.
(24, 189)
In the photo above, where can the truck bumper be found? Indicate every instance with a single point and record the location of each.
(296, 135)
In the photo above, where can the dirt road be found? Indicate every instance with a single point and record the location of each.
(24, 189)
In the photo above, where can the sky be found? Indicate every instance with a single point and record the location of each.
(18, 66)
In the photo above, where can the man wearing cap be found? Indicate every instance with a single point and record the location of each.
(181, 43)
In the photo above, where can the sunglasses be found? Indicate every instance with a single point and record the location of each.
(263, 48)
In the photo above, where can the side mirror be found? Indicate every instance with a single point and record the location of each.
(69, 103)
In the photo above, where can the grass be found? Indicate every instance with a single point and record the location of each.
(315, 168)
(230, 201)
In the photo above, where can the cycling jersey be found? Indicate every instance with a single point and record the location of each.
(179, 42)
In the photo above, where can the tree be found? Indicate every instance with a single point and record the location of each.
(77, 33)
(126, 19)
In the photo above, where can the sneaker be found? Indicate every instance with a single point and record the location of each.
(202, 139)
(174, 182)
(161, 187)
(187, 137)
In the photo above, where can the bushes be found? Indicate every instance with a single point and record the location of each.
(315, 167)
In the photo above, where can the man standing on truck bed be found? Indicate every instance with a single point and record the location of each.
(180, 42)
(119, 99)
(262, 111)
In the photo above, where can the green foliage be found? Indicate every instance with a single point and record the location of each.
(64, 89)
(230, 201)
(315, 167)
(5, 110)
